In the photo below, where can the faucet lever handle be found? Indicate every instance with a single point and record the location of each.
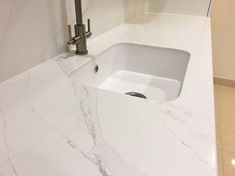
(88, 25)
(70, 32)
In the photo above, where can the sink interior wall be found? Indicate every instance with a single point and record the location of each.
(161, 62)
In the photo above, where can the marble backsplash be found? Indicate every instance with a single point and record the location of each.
(33, 31)
(104, 14)
(107, 14)
(189, 7)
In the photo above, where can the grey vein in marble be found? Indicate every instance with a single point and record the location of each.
(171, 110)
(187, 145)
(108, 160)
(104, 156)
(6, 160)
(50, 126)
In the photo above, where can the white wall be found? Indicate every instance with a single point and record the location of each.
(32, 31)
(223, 37)
(191, 7)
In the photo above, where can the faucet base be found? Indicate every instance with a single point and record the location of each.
(81, 53)
(81, 45)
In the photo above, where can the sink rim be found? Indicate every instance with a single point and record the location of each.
(142, 45)
(92, 58)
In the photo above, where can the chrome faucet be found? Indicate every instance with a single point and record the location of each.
(81, 35)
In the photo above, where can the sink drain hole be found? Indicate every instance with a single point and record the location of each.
(136, 94)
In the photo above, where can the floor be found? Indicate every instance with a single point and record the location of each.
(225, 122)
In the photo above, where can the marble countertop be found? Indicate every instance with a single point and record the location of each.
(49, 125)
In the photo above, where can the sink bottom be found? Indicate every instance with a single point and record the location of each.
(152, 87)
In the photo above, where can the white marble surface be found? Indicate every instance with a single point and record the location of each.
(50, 125)
(190, 7)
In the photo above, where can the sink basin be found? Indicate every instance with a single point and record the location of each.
(143, 71)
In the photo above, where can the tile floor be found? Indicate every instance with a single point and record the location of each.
(225, 122)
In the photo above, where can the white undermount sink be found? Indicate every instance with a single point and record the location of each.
(150, 72)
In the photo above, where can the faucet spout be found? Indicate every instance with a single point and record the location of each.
(78, 11)
(81, 35)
